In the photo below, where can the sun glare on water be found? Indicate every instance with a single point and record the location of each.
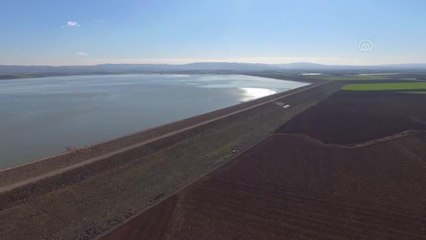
(254, 93)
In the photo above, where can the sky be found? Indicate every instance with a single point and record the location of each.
(88, 32)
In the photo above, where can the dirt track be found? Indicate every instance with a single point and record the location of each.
(292, 186)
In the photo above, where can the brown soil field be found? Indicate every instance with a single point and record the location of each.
(294, 187)
(350, 116)
(368, 183)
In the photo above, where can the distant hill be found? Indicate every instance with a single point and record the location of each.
(134, 68)
(229, 66)
(303, 65)
(8, 71)
(315, 66)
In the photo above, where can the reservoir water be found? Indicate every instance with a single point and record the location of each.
(43, 116)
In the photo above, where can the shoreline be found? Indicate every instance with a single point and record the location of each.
(18, 176)
(150, 129)
(127, 182)
(18, 158)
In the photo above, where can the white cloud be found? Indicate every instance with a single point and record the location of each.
(73, 24)
(82, 54)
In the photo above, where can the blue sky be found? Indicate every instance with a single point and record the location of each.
(85, 32)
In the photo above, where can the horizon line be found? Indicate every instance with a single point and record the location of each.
(206, 62)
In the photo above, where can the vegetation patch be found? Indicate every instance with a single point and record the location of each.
(385, 86)
(415, 92)
(352, 77)
(368, 77)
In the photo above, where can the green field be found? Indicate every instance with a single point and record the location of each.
(353, 77)
(362, 77)
(385, 86)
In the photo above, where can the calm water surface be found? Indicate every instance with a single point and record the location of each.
(43, 116)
